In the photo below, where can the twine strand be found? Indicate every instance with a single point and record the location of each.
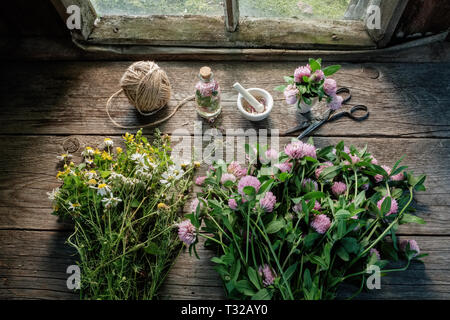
(147, 88)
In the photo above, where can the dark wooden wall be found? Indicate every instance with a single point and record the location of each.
(47, 37)
(31, 18)
(423, 17)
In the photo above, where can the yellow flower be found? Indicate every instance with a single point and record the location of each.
(119, 150)
(106, 156)
(92, 181)
(60, 173)
(128, 137)
(101, 186)
(72, 164)
(162, 206)
(197, 164)
(97, 152)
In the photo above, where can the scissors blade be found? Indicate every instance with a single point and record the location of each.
(297, 128)
(310, 129)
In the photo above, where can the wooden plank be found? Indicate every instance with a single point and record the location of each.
(207, 31)
(64, 49)
(33, 265)
(231, 11)
(24, 183)
(47, 95)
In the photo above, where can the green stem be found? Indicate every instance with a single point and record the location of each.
(382, 235)
(266, 237)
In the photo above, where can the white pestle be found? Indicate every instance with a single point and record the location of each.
(250, 99)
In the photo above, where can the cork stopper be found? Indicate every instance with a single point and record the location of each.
(205, 72)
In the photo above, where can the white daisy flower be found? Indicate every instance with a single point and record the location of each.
(173, 173)
(103, 189)
(64, 157)
(91, 174)
(88, 151)
(88, 161)
(108, 142)
(143, 174)
(74, 206)
(137, 157)
(53, 194)
(111, 201)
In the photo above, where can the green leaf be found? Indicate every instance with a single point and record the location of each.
(254, 278)
(330, 172)
(105, 174)
(280, 88)
(342, 214)
(262, 294)
(314, 65)
(135, 203)
(341, 228)
(319, 261)
(218, 260)
(342, 253)
(350, 244)
(245, 287)
(314, 195)
(154, 249)
(249, 190)
(310, 239)
(324, 151)
(290, 271)
(386, 206)
(360, 198)
(307, 281)
(235, 269)
(275, 226)
(328, 71)
(289, 79)
(409, 218)
(307, 100)
(266, 186)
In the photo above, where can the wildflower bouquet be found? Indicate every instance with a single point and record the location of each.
(297, 224)
(311, 83)
(124, 205)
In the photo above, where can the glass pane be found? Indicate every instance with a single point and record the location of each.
(304, 9)
(159, 7)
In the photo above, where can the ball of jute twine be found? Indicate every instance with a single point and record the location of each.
(147, 88)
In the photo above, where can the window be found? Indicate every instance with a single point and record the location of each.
(158, 7)
(286, 24)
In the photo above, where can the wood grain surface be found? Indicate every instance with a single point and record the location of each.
(50, 107)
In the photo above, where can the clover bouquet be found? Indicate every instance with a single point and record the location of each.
(310, 84)
(124, 204)
(296, 224)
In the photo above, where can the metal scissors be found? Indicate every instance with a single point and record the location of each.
(329, 116)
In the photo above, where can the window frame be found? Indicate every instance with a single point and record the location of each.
(231, 30)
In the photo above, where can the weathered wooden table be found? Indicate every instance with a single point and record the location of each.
(49, 107)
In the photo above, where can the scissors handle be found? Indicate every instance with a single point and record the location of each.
(351, 114)
(345, 90)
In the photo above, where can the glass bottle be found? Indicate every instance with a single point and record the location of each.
(207, 95)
